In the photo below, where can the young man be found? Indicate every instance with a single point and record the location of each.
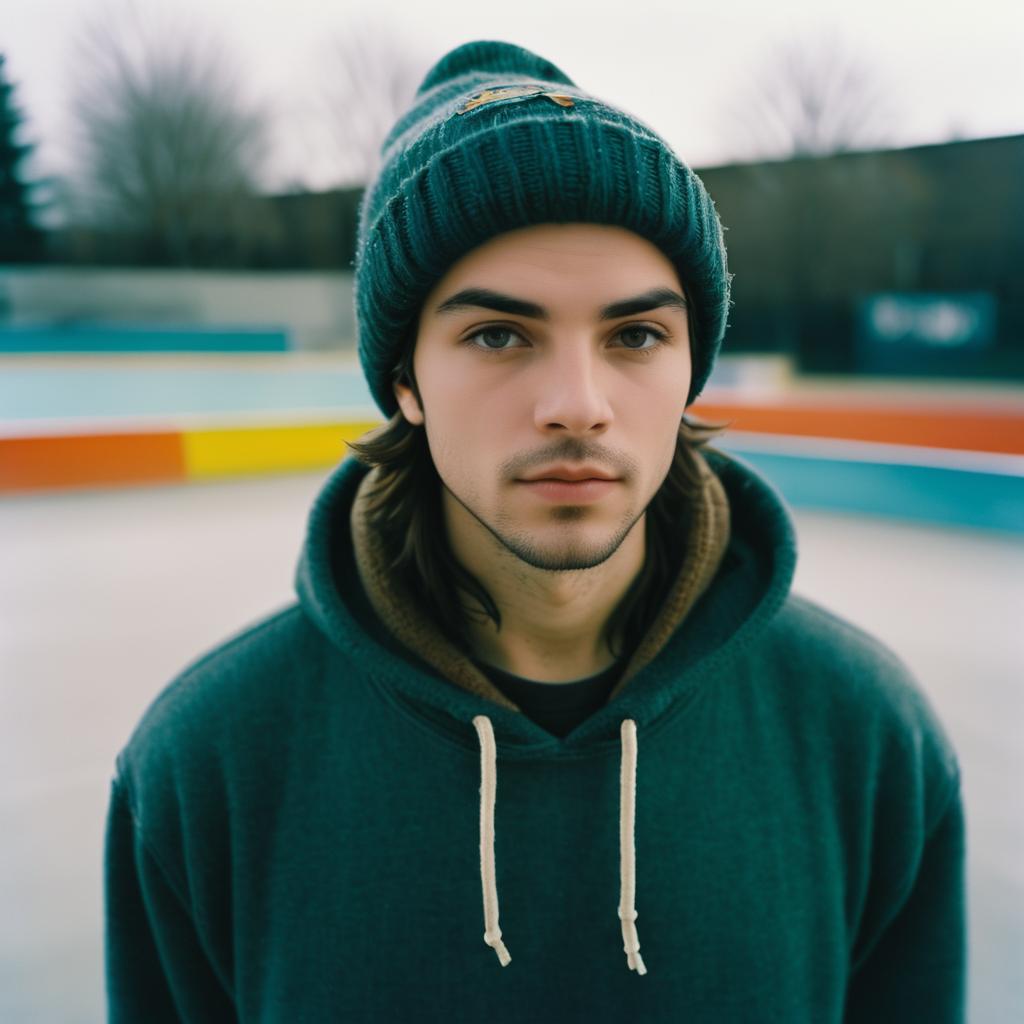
(538, 570)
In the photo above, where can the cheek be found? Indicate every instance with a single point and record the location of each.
(656, 404)
(651, 420)
(461, 435)
(467, 419)
(469, 407)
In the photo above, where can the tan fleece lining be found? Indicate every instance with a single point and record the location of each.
(412, 627)
(401, 613)
(705, 548)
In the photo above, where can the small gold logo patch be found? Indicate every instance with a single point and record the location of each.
(512, 92)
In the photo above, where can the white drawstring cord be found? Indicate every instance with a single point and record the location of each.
(488, 790)
(627, 848)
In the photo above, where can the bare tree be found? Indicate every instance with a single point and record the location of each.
(373, 78)
(168, 147)
(811, 96)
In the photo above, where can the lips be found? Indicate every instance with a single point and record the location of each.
(575, 485)
(570, 474)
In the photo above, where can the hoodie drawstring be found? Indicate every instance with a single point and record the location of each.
(627, 848)
(488, 790)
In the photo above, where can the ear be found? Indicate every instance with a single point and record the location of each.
(407, 403)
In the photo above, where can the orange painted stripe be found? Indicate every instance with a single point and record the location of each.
(35, 463)
(968, 430)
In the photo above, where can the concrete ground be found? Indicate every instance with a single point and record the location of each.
(105, 595)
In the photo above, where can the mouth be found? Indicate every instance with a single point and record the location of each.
(574, 492)
(570, 474)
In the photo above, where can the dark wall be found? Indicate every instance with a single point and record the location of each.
(809, 239)
(295, 231)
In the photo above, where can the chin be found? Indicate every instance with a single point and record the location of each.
(563, 554)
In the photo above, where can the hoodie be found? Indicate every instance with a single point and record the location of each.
(337, 816)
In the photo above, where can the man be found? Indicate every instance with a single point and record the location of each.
(538, 569)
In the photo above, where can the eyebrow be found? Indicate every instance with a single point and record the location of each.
(484, 298)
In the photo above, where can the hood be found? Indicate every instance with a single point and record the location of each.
(752, 581)
(744, 587)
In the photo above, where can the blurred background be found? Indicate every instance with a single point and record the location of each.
(178, 198)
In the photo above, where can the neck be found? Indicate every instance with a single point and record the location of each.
(554, 624)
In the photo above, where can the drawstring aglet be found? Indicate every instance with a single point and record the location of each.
(631, 942)
(494, 941)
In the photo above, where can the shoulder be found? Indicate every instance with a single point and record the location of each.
(235, 669)
(225, 700)
(814, 638)
(200, 755)
(856, 688)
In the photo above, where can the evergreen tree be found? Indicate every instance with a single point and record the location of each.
(19, 238)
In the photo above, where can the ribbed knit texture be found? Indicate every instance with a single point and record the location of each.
(454, 175)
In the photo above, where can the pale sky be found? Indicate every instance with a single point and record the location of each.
(953, 69)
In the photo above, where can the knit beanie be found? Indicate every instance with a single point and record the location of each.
(497, 138)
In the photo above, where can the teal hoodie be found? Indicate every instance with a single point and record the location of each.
(308, 823)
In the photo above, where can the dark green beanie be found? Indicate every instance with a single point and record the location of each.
(498, 138)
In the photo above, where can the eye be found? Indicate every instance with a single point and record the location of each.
(635, 336)
(493, 339)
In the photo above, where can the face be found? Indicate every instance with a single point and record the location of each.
(553, 365)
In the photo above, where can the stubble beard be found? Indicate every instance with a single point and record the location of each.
(571, 555)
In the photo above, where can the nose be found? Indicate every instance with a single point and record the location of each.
(571, 394)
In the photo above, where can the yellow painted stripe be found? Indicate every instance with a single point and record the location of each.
(210, 453)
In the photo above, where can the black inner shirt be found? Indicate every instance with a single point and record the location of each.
(556, 707)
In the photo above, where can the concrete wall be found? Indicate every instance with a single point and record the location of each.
(315, 308)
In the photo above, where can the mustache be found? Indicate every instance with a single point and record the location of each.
(571, 449)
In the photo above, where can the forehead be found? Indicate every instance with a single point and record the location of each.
(560, 263)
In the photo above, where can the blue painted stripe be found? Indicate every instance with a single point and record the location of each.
(40, 393)
(35, 338)
(954, 497)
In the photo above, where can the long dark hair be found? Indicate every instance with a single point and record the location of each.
(406, 510)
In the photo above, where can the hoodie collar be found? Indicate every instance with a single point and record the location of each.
(709, 614)
(409, 624)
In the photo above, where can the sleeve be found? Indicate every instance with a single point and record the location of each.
(156, 969)
(915, 970)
